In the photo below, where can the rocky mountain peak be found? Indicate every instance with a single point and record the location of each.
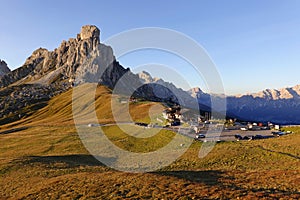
(89, 32)
(195, 92)
(46, 67)
(3, 68)
(277, 94)
(296, 89)
(145, 77)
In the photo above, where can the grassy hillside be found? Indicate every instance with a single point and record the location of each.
(59, 109)
(42, 157)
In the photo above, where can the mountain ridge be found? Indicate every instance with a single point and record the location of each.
(282, 93)
(280, 106)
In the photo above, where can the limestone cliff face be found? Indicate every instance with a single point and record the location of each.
(82, 59)
(3, 68)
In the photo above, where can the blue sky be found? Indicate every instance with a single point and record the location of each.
(255, 44)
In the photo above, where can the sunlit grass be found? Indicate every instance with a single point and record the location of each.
(51, 158)
(47, 160)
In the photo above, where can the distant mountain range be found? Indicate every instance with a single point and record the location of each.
(278, 106)
(284, 93)
(84, 59)
(271, 105)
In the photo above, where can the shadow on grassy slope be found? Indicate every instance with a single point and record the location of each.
(13, 130)
(210, 177)
(282, 153)
(68, 160)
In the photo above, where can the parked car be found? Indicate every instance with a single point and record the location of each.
(278, 133)
(141, 124)
(248, 137)
(175, 123)
(257, 137)
(200, 136)
(238, 137)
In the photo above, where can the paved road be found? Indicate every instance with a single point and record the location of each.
(225, 135)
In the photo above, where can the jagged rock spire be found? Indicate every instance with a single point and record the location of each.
(3, 68)
(89, 32)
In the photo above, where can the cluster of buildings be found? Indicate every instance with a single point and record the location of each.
(173, 115)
